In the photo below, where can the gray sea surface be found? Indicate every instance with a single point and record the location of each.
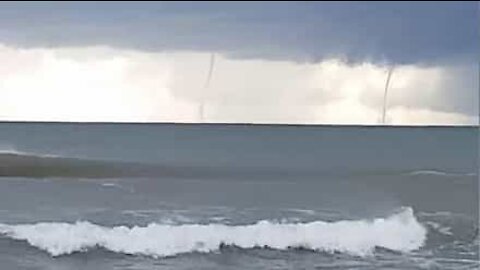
(185, 196)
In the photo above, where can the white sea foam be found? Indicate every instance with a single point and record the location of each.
(302, 211)
(441, 229)
(9, 149)
(429, 172)
(111, 185)
(400, 231)
(439, 173)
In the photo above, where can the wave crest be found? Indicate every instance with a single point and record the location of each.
(400, 232)
(438, 173)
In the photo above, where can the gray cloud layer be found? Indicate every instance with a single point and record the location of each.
(395, 32)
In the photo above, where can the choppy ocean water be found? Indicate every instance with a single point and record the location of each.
(105, 196)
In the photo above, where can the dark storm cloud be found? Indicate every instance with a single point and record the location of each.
(395, 32)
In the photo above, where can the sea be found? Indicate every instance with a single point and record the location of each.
(237, 196)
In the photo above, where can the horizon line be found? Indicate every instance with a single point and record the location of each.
(240, 124)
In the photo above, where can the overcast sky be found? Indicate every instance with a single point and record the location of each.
(288, 62)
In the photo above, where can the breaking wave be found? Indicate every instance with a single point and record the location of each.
(399, 232)
(21, 164)
(15, 163)
(11, 150)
